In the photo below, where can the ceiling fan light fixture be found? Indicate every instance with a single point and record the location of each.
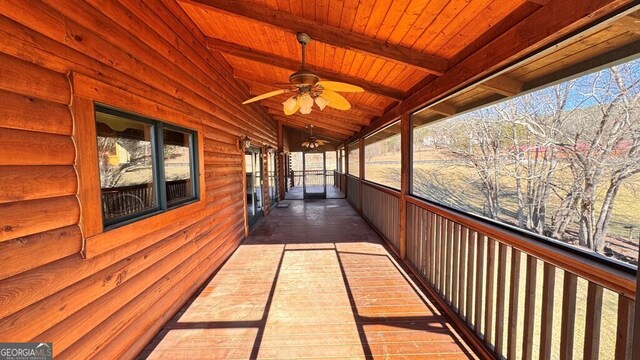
(321, 102)
(306, 101)
(305, 110)
(290, 105)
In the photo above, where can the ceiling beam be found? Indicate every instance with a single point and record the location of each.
(545, 29)
(267, 83)
(444, 108)
(331, 35)
(294, 65)
(503, 85)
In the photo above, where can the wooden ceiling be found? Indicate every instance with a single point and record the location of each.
(390, 48)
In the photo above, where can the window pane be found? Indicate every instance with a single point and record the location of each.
(126, 166)
(354, 159)
(382, 156)
(562, 162)
(178, 165)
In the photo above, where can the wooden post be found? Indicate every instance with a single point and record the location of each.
(405, 178)
(243, 163)
(346, 169)
(361, 175)
(281, 158)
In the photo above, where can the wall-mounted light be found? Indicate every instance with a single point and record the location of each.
(243, 142)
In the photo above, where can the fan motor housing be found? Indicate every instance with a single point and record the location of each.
(303, 77)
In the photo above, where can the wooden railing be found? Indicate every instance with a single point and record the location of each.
(381, 207)
(340, 181)
(515, 296)
(127, 200)
(353, 191)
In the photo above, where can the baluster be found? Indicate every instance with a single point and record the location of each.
(488, 319)
(514, 294)
(438, 221)
(456, 267)
(463, 270)
(593, 321)
(548, 297)
(470, 267)
(447, 274)
(500, 300)
(479, 283)
(624, 333)
(529, 307)
(567, 333)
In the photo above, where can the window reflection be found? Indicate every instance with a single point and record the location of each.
(126, 166)
(177, 165)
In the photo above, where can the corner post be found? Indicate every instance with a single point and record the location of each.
(281, 158)
(405, 178)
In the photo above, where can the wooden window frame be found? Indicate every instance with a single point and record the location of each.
(96, 239)
(159, 183)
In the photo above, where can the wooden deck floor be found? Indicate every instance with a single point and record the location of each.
(312, 281)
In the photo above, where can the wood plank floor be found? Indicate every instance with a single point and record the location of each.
(312, 281)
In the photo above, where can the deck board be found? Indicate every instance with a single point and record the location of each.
(311, 281)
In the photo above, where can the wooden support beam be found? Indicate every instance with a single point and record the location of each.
(331, 35)
(252, 78)
(630, 23)
(405, 179)
(541, 30)
(294, 65)
(503, 85)
(444, 108)
(281, 158)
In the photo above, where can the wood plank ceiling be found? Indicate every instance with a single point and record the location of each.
(390, 48)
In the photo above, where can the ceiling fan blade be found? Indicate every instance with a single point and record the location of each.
(336, 100)
(291, 109)
(266, 95)
(339, 86)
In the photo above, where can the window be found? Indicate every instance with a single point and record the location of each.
(562, 162)
(354, 159)
(145, 166)
(382, 156)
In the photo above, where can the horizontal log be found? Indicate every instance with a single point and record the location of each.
(50, 246)
(32, 320)
(34, 216)
(19, 183)
(145, 287)
(21, 77)
(30, 113)
(19, 147)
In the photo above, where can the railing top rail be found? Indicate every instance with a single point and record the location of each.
(382, 188)
(601, 273)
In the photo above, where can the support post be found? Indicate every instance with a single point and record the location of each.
(361, 165)
(346, 169)
(405, 178)
(281, 159)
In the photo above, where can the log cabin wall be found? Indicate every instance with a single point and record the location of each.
(111, 304)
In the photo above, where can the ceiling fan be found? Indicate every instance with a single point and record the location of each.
(312, 141)
(310, 89)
